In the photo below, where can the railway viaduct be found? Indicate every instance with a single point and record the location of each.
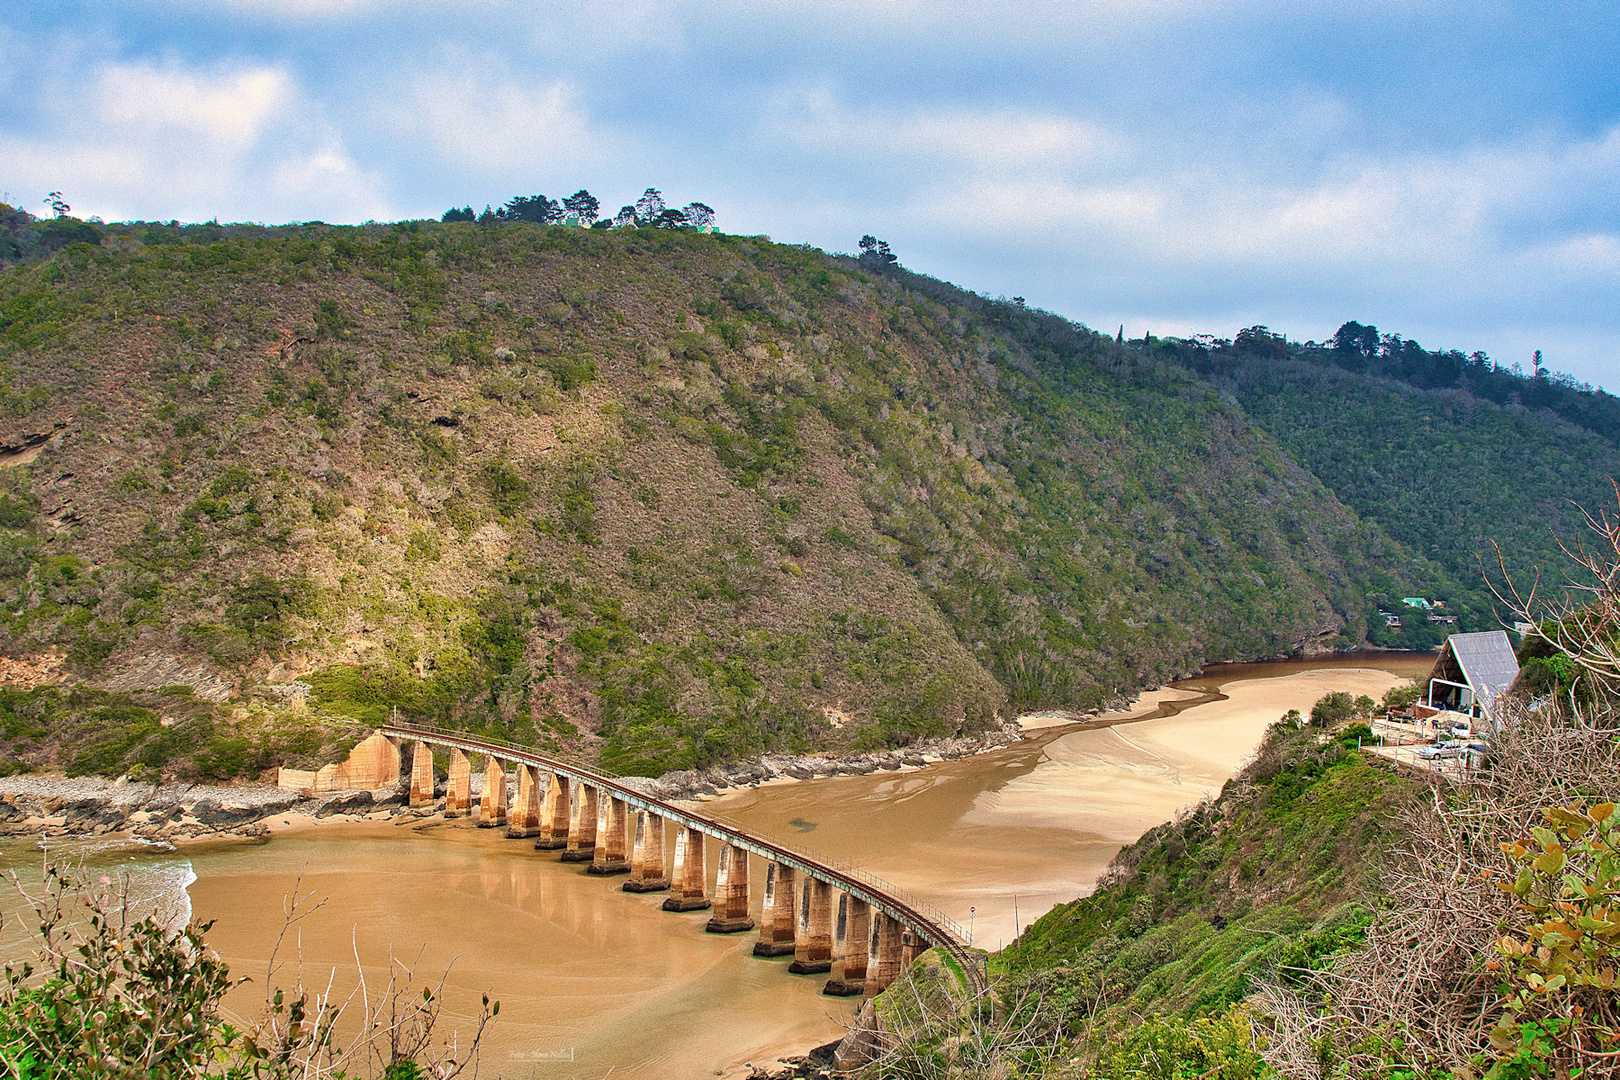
(829, 915)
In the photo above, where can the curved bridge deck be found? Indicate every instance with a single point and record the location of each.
(892, 909)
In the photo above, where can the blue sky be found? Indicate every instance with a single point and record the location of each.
(1447, 171)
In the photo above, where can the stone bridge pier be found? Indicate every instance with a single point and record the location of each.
(582, 827)
(779, 919)
(813, 948)
(523, 819)
(885, 960)
(687, 884)
(422, 793)
(731, 893)
(458, 788)
(555, 813)
(492, 802)
(612, 854)
(647, 855)
(851, 943)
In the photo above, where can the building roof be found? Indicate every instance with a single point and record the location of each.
(1487, 663)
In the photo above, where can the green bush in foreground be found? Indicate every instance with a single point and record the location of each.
(1159, 1047)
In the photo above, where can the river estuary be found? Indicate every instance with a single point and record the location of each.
(596, 982)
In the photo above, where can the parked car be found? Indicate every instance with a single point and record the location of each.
(1442, 750)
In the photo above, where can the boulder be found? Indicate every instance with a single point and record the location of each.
(213, 812)
(90, 813)
(349, 802)
(164, 811)
(392, 795)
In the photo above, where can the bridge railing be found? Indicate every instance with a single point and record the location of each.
(701, 810)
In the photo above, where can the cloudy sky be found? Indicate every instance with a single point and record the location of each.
(1446, 170)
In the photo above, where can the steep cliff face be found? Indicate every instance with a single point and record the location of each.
(667, 497)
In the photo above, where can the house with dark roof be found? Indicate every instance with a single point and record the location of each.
(1470, 674)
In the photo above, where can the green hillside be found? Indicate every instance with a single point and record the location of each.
(663, 497)
(1444, 452)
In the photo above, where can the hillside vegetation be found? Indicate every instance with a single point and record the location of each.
(660, 497)
(1445, 452)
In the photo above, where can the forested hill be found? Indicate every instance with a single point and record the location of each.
(660, 496)
(1445, 451)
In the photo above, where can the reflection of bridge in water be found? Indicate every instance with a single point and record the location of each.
(864, 940)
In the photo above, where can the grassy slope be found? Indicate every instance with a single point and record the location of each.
(659, 496)
(1271, 875)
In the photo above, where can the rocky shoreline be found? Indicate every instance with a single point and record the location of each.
(89, 806)
(168, 814)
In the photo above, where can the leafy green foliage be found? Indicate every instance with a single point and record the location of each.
(1333, 710)
(122, 997)
(1225, 1046)
(85, 731)
(1560, 976)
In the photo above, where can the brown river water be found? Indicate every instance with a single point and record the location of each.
(595, 982)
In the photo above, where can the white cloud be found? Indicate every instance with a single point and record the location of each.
(146, 141)
(488, 121)
(983, 140)
(1488, 245)
(229, 109)
(1412, 210)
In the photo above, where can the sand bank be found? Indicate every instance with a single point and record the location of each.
(1144, 706)
(1118, 782)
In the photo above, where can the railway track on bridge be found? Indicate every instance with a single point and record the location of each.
(912, 912)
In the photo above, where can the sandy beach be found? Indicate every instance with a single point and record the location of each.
(1117, 782)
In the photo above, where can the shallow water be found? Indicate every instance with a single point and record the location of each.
(594, 981)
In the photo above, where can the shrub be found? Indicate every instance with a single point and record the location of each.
(1355, 734)
(1158, 1047)
(1560, 972)
(1332, 710)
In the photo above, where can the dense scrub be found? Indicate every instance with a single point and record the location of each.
(665, 497)
(147, 734)
(1446, 453)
